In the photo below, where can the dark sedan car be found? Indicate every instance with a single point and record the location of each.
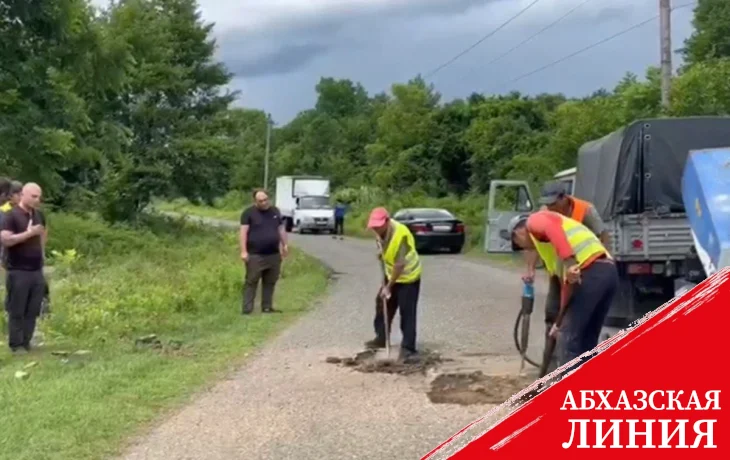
(433, 229)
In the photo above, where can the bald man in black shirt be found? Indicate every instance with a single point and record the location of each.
(263, 245)
(24, 236)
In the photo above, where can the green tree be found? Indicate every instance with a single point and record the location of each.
(172, 104)
(52, 55)
(703, 90)
(399, 157)
(340, 98)
(711, 36)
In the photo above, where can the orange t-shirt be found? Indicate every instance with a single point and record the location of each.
(547, 226)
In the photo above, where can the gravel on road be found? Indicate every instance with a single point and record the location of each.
(288, 402)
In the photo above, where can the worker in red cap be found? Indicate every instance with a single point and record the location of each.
(401, 283)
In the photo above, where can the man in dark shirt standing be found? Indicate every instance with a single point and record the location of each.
(340, 211)
(263, 246)
(24, 237)
(10, 197)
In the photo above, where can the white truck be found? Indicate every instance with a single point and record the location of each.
(304, 203)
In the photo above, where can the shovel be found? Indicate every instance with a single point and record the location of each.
(383, 301)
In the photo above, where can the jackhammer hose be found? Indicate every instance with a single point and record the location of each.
(516, 335)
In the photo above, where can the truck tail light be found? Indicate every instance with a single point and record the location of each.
(639, 269)
(637, 244)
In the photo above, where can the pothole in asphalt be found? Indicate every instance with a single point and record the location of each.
(475, 388)
(448, 381)
(370, 361)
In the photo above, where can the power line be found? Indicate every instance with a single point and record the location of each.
(530, 38)
(481, 40)
(598, 43)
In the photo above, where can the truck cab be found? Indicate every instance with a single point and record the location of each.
(567, 178)
(314, 214)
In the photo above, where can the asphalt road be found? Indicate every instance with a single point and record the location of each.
(288, 403)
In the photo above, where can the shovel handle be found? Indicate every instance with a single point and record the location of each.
(386, 325)
(383, 300)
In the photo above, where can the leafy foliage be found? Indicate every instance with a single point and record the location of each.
(118, 106)
(711, 38)
(122, 104)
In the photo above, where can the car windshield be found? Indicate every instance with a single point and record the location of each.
(427, 214)
(314, 202)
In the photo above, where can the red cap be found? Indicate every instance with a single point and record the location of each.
(378, 217)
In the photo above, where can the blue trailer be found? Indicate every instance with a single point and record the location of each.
(706, 195)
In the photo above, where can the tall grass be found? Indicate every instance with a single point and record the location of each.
(177, 281)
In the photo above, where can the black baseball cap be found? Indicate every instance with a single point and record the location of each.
(552, 192)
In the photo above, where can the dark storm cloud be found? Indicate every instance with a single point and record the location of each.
(379, 45)
(282, 60)
(614, 13)
(291, 43)
(420, 8)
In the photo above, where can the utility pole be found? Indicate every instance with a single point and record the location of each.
(665, 32)
(268, 148)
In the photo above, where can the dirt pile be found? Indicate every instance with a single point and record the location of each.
(369, 362)
(475, 388)
(452, 384)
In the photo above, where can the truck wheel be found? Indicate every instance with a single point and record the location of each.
(288, 225)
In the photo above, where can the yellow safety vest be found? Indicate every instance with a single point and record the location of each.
(584, 242)
(6, 207)
(412, 271)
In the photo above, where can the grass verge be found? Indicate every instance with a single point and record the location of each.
(179, 282)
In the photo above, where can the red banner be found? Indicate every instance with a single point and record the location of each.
(653, 391)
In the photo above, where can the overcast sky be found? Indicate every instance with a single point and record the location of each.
(278, 49)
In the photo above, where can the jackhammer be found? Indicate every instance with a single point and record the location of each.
(523, 319)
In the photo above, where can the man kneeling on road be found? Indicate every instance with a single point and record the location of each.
(555, 198)
(586, 270)
(401, 283)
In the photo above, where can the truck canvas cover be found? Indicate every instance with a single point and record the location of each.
(639, 167)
